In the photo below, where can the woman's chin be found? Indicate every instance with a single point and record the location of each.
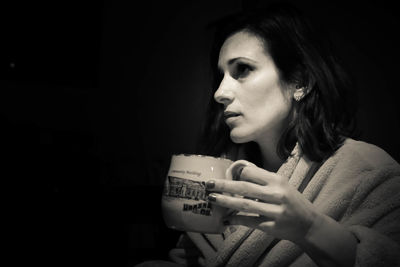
(239, 138)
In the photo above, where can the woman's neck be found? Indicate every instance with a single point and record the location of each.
(270, 159)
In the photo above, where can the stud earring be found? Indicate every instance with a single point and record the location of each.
(298, 95)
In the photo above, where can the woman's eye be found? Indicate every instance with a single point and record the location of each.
(241, 71)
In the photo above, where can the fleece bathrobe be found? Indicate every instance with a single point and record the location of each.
(359, 186)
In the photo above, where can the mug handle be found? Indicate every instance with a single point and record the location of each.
(232, 172)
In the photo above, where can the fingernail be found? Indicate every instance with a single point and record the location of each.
(210, 184)
(212, 198)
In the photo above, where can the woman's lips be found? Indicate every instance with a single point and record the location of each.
(230, 116)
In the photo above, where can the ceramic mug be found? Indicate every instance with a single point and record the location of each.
(184, 199)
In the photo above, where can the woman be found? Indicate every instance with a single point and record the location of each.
(312, 195)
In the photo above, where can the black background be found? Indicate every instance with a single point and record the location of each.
(97, 95)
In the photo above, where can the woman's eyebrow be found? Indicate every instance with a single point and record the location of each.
(233, 60)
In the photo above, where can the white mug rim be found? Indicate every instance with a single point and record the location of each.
(201, 156)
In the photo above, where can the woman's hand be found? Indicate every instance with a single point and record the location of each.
(277, 207)
(280, 210)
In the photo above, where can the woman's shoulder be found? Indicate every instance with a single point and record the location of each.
(366, 154)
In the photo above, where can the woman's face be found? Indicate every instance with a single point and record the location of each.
(256, 102)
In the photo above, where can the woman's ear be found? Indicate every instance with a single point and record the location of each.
(310, 85)
(299, 93)
(303, 88)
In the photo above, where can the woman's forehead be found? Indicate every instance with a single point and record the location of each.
(242, 45)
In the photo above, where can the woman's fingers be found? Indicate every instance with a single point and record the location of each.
(246, 205)
(247, 171)
(258, 222)
(257, 175)
(269, 194)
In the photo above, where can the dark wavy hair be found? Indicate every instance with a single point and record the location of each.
(304, 56)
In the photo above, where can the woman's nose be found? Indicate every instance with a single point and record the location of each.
(224, 94)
